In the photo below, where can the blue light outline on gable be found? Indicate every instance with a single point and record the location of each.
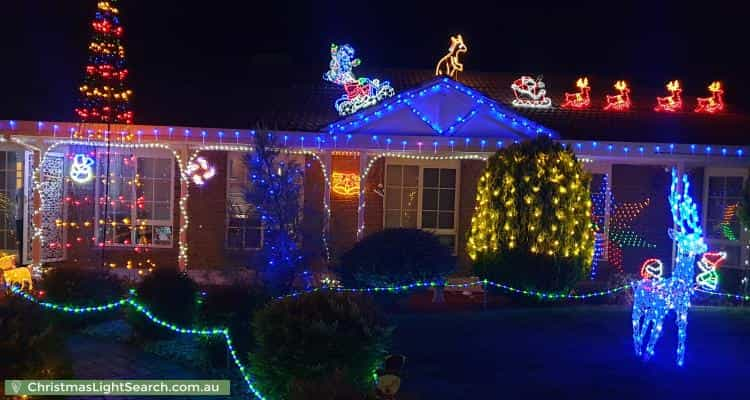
(404, 99)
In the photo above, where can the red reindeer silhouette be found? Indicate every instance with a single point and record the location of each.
(580, 99)
(673, 102)
(619, 102)
(712, 104)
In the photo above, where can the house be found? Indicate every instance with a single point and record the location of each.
(412, 160)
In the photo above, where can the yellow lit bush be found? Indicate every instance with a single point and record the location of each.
(532, 219)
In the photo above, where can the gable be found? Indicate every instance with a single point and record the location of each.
(441, 107)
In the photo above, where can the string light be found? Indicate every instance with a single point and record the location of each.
(621, 234)
(104, 96)
(621, 101)
(345, 184)
(530, 93)
(581, 99)
(713, 104)
(598, 211)
(142, 309)
(730, 211)
(450, 65)
(81, 170)
(654, 298)
(673, 102)
(540, 201)
(360, 92)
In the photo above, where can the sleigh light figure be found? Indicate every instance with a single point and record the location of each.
(673, 102)
(359, 92)
(530, 93)
(581, 99)
(655, 296)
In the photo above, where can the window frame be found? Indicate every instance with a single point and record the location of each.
(422, 164)
(138, 154)
(713, 243)
(241, 179)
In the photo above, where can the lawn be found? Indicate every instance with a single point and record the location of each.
(583, 352)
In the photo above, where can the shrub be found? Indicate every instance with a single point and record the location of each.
(171, 296)
(317, 337)
(81, 286)
(532, 221)
(30, 345)
(394, 257)
(232, 307)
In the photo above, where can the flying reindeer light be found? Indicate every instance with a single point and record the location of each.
(581, 99)
(655, 297)
(673, 102)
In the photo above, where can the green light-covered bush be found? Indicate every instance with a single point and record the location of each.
(305, 341)
(532, 220)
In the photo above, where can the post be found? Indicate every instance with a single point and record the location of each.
(182, 255)
(36, 241)
(363, 162)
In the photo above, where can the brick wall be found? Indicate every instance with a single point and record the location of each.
(314, 214)
(343, 225)
(207, 208)
(471, 170)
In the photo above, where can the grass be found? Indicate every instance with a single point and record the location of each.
(583, 352)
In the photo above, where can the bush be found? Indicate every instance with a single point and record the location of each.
(232, 307)
(171, 296)
(532, 223)
(395, 257)
(317, 337)
(81, 287)
(30, 345)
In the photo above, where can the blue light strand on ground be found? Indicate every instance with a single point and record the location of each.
(224, 332)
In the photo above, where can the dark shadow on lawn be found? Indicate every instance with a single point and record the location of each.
(573, 352)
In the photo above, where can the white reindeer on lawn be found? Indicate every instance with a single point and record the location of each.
(655, 297)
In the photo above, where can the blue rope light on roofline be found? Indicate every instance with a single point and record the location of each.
(445, 83)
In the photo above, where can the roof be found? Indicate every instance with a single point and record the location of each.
(306, 104)
(440, 107)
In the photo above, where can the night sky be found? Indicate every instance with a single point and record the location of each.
(198, 62)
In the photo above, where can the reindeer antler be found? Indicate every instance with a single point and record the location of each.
(687, 232)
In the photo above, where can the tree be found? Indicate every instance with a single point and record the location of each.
(532, 220)
(104, 96)
(274, 190)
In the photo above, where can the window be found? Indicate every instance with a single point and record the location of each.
(723, 193)
(244, 227)
(422, 197)
(401, 200)
(11, 198)
(141, 196)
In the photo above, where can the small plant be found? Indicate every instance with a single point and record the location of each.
(30, 345)
(232, 307)
(305, 341)
(81, 286)
(170, 295)
(394, 257)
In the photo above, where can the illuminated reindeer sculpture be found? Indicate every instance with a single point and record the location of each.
(654, 297)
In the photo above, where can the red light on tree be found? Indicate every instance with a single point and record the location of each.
(103, 94)
(713, 104)
(673, 102)
(619, 102)
(581, 99)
